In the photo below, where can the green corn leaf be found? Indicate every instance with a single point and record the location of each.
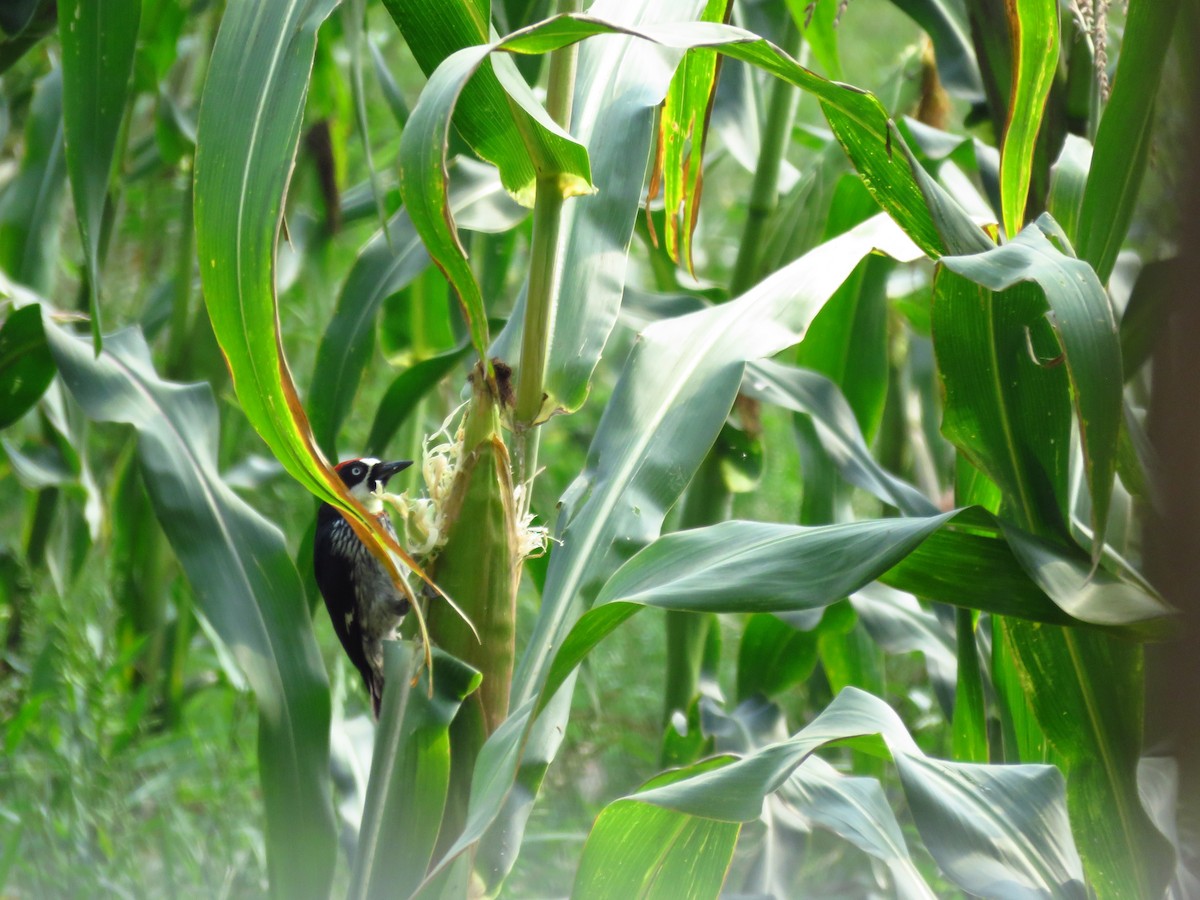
(390, 261)
(245, 585)
(1123, 139)
(410, 771)
(250, 118)
(858, 118)
(26, 366)
(1013, 424)
(683, 129)
(995, 831)
(795, 567)
(31, 201)
(1033, 26)
(1086, 692)
(637, 850)
(98, 42)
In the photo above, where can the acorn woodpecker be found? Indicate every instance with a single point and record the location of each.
(363, 602)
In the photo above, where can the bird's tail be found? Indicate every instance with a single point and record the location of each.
(375, 686)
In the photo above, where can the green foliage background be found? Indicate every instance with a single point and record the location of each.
(832, 399)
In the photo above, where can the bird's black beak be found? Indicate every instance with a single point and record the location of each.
(386, 470)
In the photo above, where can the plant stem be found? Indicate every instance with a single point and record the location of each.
(764, 193)
(542, 296)
(707, 502)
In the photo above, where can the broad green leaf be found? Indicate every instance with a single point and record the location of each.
(741, 566)
(1086, 690)
(410, 771)
(1007, 414)
(637, 850)
(31, 201)
(26, 366)
(674, 393)
(1010, 387)
(1001, 583)
(773, 656)
(557, 159)
(1025, 850)
(758, 567)
(249, 124)
(1123, 139)
(98, 40)
(1033, 26)
(244, 583)
(996, 831)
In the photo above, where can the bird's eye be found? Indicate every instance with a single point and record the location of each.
(357, 470)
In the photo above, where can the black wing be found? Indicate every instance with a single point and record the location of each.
(337, 589)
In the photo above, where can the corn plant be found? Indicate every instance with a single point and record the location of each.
(848, 381)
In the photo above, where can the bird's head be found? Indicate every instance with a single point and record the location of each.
(367, 476)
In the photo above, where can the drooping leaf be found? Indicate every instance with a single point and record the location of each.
(1085, 330)
(857, 810)
(812, 394)
(424, 180)
(1026, 851)
(245, 585)
(858, 118)
(494, 110)
(759, 567)
(250, 118)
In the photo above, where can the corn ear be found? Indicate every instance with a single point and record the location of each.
(479, 563)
